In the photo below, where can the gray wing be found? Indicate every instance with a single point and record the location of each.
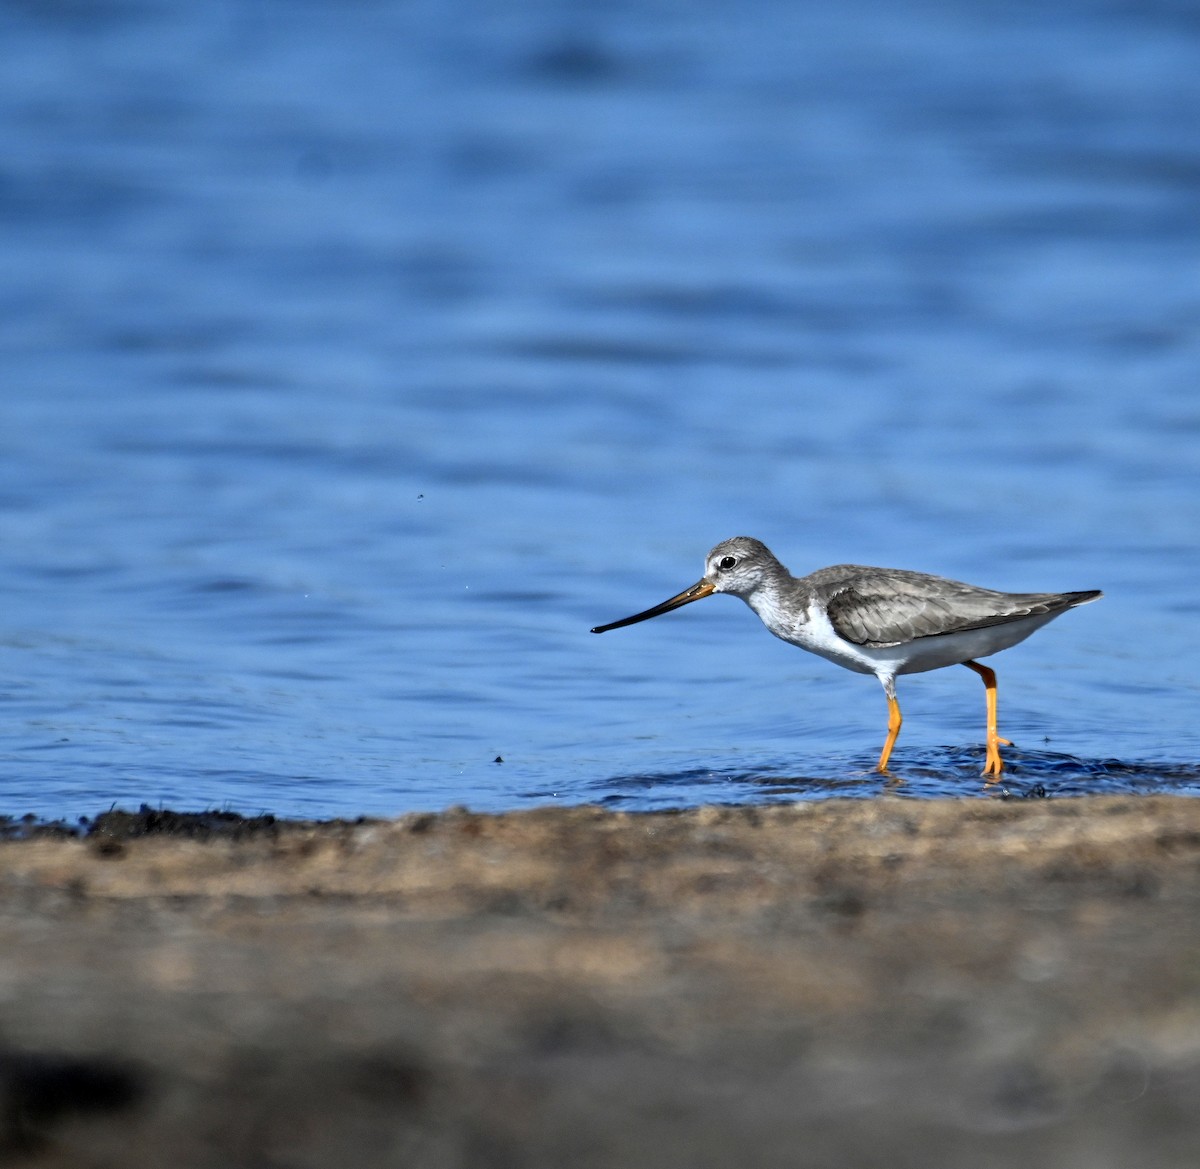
(905, 607)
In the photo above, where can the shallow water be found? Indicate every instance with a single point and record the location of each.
(358, 361)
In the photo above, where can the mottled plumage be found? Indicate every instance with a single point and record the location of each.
(881, 621)
(888, 606)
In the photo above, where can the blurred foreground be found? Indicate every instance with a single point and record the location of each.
(846, 983)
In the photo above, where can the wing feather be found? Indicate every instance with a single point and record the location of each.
(908, 607)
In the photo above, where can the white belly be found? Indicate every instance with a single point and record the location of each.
(818, 636)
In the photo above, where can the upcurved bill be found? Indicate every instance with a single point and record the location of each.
(701, 588)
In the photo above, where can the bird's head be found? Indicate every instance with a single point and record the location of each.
(739, 566)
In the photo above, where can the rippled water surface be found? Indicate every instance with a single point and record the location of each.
(358, 359)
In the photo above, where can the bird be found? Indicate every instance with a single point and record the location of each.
(881, 621)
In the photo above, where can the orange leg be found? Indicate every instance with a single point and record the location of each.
(894, 721)
(994, 765)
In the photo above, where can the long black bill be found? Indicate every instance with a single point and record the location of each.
(700, 589)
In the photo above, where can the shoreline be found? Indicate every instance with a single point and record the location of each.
(900, 982)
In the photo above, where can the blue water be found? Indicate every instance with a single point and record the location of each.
(356, 359)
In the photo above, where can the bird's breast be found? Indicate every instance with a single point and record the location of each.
(809, 627)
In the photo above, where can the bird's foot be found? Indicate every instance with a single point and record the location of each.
(994, 765)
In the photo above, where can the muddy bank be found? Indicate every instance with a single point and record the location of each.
(881, 982)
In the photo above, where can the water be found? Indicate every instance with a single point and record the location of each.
(358, 359)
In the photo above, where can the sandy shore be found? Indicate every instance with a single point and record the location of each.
(886, 982)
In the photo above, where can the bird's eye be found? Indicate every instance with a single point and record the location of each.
(727, 562)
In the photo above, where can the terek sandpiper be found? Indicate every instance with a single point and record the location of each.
(881, 621)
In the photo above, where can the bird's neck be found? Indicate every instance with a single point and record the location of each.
(775, 603)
